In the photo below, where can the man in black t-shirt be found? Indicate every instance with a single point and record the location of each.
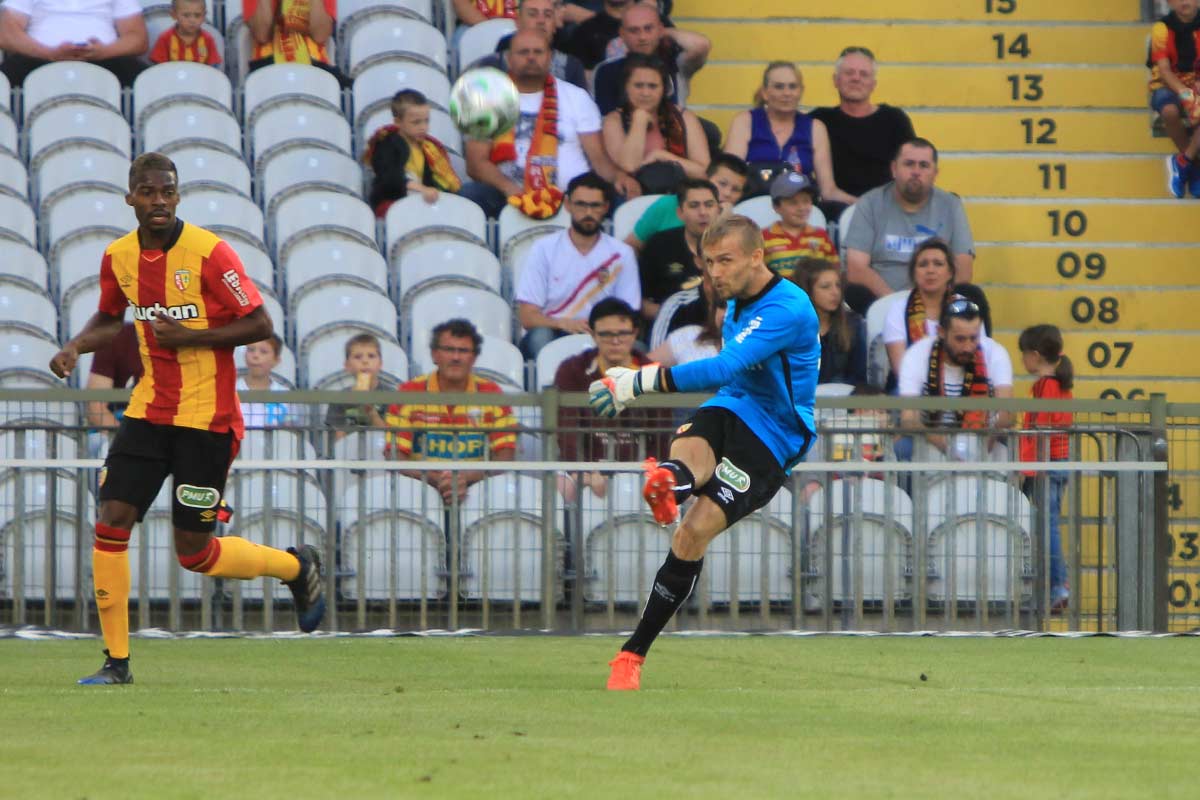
(590, 39)
(863, 137)
(667, 263)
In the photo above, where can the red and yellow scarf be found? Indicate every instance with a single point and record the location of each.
(540, 199)
(291, 42)
(497, 9)
(975, 384)
(437, 162)
(915, 316)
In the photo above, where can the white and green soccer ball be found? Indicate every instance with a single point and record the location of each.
(484, 103)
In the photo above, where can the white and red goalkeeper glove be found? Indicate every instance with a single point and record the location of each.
(619, 387)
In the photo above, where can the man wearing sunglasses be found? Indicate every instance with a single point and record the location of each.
(959, 362)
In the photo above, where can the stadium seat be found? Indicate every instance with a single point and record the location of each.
(321, 215)
(206, 167)
(623, 545)
(284, 371)
(487, 310)
(8, 128)
(354, 13)
(395, 40)
(440, 128)
(297, 125)
(761, 569)
(412, 221)
(23, 306)
(14, 179)
(166, 85)
(275, 444)
(69, 82)
(230, 216)
(558, 351)
(87, 212)
(340, 306)
(258, 266)
(843, 227)
(35, 443)
(321, 260)
(153, 545)
(17, 222)
(47, 508)
(878, 365)
(288, 83)
(323, 363)
(75, 124)
(517, 234)
(26, 354)
(868, 519)
(761, 211)
(363, 445)
(294, 170)
(445, 261)
(481, 39)
(78, 168)
(956, 508)
(628, 214)
(375, 86)
(19, 261)
(6, 108)
(499, 360)
(501, 522)
(77, 308)
(172, 128)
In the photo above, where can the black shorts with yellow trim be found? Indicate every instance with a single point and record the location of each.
(144, 453)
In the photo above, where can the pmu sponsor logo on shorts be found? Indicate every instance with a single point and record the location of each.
(197, 496)
(732, 476)
(234, 283)
(148, 313)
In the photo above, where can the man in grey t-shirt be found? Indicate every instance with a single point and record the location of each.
(891, 220)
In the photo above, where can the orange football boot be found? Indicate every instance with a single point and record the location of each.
(659, 492)
(626, 672)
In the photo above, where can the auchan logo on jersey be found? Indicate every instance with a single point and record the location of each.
(148, 313)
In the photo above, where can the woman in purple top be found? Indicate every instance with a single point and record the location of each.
(776, 135)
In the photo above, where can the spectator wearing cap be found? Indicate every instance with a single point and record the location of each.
(791, 238)
(863, 136)
(108, 34)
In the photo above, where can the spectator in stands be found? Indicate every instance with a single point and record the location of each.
(863, 136)
(689, 306)
(471, 433)
(931, 274)
(291, 31)
(261, 358)
(959, 362)
(891, 220)
(37, 32)
(1173, 61)
(649, 136)
(667, 264)
(566, 273)
(726, 172)
(1042, 356)
(791, 238)
(186, 40)
(693, 341)
(405, 158)
(364, 360)
(473, 12)
(545, 17)
(642, 31)
(776, 136)
(843, 332)
(529, 165)
(613, 324)
(590, 39)
(113, 367)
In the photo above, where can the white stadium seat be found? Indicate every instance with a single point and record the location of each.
(276, 444)
(326, 356)
(324, 215)
(341, 306)
(517, 234)
(230, 216)
(761, 211)
(375, 86)
(762, 566)
(298, 125)
(558, 351)
(8, 127)
(25, 350)
(629, 212)
(623, 545)
(202, 167)
(843, 227)
(152, 545)
(88, 212)
(5, 96)
(74, 124)
(166, 85)
(17, 221)
(69, 82)
(294, 170)
(499, 360)
(395, 40)
(487, 310)
(446, 261)
(77, 307)
(878, 365)
(319, 259)
(169, 129)
(14, 179)
(258, 266)
(481, 39)
(411, 221)
(20, 261)
(47, 508)
(25, 307)
(353, 13)
(80, 168)
(501, 521)
(285, 83)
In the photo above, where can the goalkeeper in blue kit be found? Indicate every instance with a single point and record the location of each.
(739, 447)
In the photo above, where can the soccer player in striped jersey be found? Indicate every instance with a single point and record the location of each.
(738, 448)
(192, 305)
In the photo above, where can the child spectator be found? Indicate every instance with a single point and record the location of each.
(1042, 355)
(1173, 62)
(364, 360)
(261, 358)
(187, 40)
(843, 332)
(405, 158)
(792, 238)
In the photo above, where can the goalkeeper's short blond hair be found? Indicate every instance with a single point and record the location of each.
(745, 229)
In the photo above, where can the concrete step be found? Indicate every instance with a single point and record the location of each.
(1088, 268)
(1179, 390)
(1115, 177)
(1124, 355)
(1097, 310)
(1073, 223)
(1001, 11)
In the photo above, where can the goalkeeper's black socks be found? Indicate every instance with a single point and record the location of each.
(685, 481)
(673, 584)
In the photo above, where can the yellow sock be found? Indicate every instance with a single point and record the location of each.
(232, 557)
(110, 575)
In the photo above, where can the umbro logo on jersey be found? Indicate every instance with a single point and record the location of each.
(148, 313)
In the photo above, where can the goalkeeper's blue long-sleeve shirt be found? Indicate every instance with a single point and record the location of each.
(766, 372)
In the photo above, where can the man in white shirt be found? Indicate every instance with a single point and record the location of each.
(959, 362)
(500, 169)
(568, 272)
(108, 33)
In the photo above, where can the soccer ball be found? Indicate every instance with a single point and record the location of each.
(484, 103)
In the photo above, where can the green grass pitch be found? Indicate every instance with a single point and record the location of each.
(527, 717)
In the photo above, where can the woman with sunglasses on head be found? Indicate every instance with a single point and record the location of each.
(776, 135)
(649, 136)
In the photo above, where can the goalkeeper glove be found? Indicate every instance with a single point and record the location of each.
(619, 386)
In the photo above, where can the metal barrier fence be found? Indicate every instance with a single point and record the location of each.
(858, 539)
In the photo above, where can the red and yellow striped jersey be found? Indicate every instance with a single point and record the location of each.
(198, 280)
(439, 431)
